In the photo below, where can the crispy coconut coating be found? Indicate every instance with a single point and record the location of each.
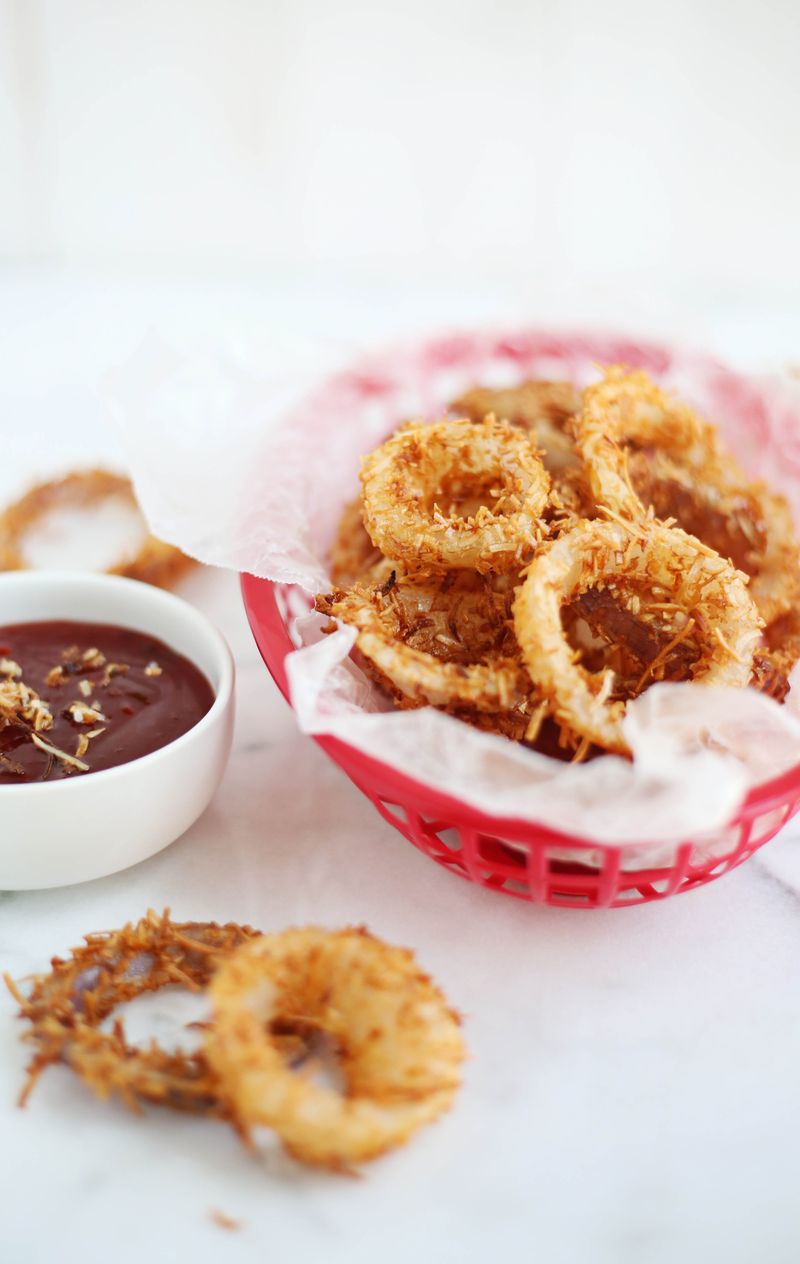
(67, 1007)
(432, 601)
(456, 495)
(398, 1042)
(439, 641)
(626, 408)
(155, 563)
(780, 653)
(353, 555)
(543, 409)
(645, 451)
(699, 596)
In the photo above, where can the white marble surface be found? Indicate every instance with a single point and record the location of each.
(632, 1092)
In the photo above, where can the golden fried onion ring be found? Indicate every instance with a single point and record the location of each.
(399, 1043)
(627, 407)
(685, 473)
(433, 641)
(779, 655)
(155, 563)
(543, 409)
(701, 591)
(67, 1006)
(353, 555)
(425, 488)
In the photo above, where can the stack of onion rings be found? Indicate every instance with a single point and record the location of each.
(436, 641)
(650, 558)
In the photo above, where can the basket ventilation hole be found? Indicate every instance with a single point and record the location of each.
(394, 809)
(449, 838)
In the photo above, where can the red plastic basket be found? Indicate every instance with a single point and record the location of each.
(513, 856)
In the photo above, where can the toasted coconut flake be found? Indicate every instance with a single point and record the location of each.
(92, 658)
(224, 1221)
(70, 760)
(9, 668)
(19, 703)
(112, 669)
(83, 714)
(153, 669)
(11, 765)
(85, 687)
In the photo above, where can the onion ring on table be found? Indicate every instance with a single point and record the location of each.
(425, 491)
(67, 1006)
(697, 593)
(399, 1043)
(436, 641)
(155, 563)
(644, 450)
(543, 409)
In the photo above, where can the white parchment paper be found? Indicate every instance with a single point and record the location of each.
(245, 459)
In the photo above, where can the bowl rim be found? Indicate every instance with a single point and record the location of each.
(138, 591)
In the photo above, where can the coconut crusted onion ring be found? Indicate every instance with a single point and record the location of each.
(644, 450)
(425, 491)
(626, 408)
(742, 521)
(398, 1041)
(543, 409)
(353, 555)
(155, 563)
(436, 641)
(67, 1006)
(647, 567)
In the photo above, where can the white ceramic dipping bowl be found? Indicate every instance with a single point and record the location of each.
(56, 833)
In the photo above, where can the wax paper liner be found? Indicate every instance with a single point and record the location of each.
(247, 460)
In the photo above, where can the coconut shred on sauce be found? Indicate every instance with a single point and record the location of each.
(113, 694)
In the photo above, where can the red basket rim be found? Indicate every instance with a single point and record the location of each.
(259, 597)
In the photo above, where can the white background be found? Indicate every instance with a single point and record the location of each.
(564, 144)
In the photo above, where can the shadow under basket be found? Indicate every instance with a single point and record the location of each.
(519, 858)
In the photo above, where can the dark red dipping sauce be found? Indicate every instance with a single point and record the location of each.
(138, 696)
